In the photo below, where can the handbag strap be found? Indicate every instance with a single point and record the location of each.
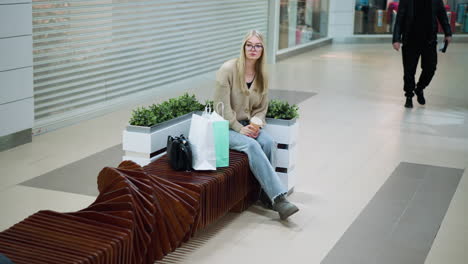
(188, 154)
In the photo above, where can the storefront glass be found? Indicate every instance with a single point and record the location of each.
(378, 16)
(302, 21)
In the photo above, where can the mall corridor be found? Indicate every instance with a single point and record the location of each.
(375, 181)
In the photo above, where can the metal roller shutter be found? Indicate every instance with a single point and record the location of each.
(90, 53)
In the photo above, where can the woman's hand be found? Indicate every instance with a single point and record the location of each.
(250, 131)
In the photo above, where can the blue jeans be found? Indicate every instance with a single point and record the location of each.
(262, 158)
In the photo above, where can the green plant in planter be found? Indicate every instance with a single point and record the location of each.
(143, 117)
(167, 110)
(185, 104)
(278, 109)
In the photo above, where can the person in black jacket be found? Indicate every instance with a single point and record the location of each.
(416, 28)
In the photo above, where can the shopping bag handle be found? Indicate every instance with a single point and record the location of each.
(222, 108)
(207, 110)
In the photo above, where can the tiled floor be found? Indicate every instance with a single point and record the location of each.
(354, 133)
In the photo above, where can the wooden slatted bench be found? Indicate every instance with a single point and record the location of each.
(140, 215)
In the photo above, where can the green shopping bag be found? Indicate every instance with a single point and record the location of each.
(221, 139)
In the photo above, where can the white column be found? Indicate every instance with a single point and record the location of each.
(273, 30)
(341, 19)
(16, 73)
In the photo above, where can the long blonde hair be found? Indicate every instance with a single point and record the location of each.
(261, 78)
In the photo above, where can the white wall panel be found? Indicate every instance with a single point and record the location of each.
(15, 20)
(4, 2)
(341, 19)
(15, 53)
(16, 73)
(16, 85)
(341, 5)
(341, 31)
(16, 116)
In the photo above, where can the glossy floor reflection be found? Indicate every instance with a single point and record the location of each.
(354, 132)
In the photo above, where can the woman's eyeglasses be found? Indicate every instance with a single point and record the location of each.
(253, 47)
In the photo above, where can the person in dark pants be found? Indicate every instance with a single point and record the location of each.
(416, 28)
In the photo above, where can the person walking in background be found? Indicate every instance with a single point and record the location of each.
(242, 86)
(416, 28)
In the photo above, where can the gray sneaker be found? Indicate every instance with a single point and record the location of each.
(284, 208)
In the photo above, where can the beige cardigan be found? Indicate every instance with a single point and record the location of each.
(240, 103)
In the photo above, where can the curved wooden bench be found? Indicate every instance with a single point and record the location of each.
(140, 215)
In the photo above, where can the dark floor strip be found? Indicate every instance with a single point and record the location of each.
(401, 221)
(81, 176)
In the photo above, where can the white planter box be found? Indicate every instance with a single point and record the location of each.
(146, 144)
(285, 133)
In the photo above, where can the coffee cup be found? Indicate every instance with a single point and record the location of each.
(256, 123)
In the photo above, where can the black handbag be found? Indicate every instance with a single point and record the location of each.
(179, 153)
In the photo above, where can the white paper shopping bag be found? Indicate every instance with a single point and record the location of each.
(202, 142)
